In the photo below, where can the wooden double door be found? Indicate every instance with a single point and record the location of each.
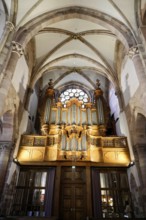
(73, 193)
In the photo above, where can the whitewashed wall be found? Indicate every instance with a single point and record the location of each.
(129, 80)
(32, 109)
(20, 77)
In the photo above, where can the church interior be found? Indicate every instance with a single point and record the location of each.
(72, 109)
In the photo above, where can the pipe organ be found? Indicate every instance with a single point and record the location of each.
(74, 130)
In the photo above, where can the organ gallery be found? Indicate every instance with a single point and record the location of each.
(77, 139)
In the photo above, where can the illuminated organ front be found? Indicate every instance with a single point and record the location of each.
(74, 128)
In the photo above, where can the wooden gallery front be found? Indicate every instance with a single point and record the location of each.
(75, 167)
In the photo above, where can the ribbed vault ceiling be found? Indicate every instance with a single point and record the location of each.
(77, 41)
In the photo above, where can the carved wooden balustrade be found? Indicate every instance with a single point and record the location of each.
(102, 150)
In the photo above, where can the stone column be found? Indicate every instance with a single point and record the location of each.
(5, 150)
(5, 47)
(17, 51)
(9, 27)
(135, 56)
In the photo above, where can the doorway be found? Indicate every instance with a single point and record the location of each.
(73, 193)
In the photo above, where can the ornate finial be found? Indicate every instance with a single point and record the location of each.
(98, 92)
(98, 83)
(50, 83)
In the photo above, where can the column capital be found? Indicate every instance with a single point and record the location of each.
(10, 25)
(133, 51)
(17, 48)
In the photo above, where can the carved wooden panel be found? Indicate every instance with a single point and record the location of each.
(96, 154)
(76, 174)
(73, 194)
(116, 156)
(51, 154)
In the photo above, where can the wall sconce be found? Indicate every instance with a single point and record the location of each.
(15, 160)
(132, 163)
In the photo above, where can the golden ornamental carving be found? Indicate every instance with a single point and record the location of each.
(98, 91)
(72, 130)
(73, 101)
(88, 105)
(50, 90)
(45, 129)
(104, 150)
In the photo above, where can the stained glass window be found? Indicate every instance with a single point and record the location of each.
(74, 93)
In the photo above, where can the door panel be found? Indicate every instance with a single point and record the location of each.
(66, 202)
(73, 196)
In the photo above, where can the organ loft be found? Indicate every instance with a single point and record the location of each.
(74, 127)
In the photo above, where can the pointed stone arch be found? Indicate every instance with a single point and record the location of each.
(31, 28)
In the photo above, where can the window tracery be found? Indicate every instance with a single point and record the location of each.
(74, 93)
